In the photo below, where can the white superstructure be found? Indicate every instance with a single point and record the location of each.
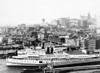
(40, 58)
(25, 60)
(37, 58)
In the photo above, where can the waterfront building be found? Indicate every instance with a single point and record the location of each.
(98, 42)
(92, 43)
(41, 35)
(61, 35)
(54, 39)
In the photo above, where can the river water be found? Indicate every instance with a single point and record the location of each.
(5, 69)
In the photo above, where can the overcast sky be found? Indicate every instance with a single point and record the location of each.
(14, 12)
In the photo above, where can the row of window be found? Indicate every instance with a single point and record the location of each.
(26, 61)
(71, 59)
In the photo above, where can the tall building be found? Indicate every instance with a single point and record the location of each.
(97, 21)
(63, 22)
(86, 21)
(73, 22)
(97, 26)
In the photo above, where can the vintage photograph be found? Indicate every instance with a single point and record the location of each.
(49, 36)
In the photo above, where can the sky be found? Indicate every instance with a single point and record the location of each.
(15, 12)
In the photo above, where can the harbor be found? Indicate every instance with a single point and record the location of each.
(49, 36)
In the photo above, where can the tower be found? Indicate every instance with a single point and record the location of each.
(89, 16)
(43, 20)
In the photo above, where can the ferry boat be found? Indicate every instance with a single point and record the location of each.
(58, 60)
(34, 58)
(25, 60)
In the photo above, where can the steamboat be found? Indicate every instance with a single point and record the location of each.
(55, 59)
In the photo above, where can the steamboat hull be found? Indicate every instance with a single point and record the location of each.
(24, 65)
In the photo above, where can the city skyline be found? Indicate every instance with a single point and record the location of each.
(15, 12)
